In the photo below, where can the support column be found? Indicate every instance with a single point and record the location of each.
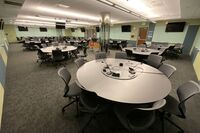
(105, 31)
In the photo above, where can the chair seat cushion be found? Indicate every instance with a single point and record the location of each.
(171, 106)
(74, 90)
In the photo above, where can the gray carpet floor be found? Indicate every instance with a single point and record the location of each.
(34, 97)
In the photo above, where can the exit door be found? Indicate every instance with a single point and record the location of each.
(142, 35)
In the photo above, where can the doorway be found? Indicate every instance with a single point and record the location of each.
(189, 38)
(142, 35)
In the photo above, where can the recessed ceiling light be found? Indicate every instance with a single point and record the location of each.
(62, 5)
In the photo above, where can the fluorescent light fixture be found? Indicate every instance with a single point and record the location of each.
(106, 2)
(121, 8)
(40, 18)
(67, 13)
(82, 23)
(31, 21)
(63, 6)
(33, 24)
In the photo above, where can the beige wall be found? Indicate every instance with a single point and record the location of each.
(10, 33)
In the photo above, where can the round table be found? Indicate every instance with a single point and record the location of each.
(62, 48)
(149, 86)
(141, 51)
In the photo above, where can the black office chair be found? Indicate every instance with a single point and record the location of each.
(43, 57)
(137, 117)
(57, 56)
(71, 91)
(94, 106)
(114, 44)
(124, 44)
(170, 51)
(178, 108)
(129, 54)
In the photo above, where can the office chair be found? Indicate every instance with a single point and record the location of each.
(79, 62)
(114, 44)
(178, 108)
(43, 57)
(124, 44)
(154, 60)
(129, 54)
(120, 55)
(137, 117)
(71, 91)
(43, 45)
(57, 56)
(162, 51)
(167, 69)
(100, 55)
(84, 54)
(93, 105)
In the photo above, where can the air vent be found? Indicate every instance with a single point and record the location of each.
(13, 3)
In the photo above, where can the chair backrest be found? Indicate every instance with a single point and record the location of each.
(171, 47)
(100, 55)
(129, 53)
(57, 54)
(40, 54)
(43, 45)
(154, 60)
(65, 75)
(167, 69)
(36, 46)
(120, 55)
(184, 92)
(79, 62)
(162, 51)
(156, 105)
(114, 42)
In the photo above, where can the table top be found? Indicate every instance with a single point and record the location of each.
(32, 41)
(62, 48)
(141, 51)
(149, 86)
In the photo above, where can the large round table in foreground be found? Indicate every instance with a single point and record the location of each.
(149, 85)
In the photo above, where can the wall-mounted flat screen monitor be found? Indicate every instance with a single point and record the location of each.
(97, 29)
(60, 25)
(72, 30)
(82, 29)
(43, 29)
(175, 27)
(126, 28)
(22, 28)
